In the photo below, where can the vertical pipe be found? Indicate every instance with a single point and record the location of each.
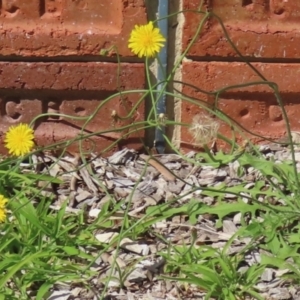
(163, 11)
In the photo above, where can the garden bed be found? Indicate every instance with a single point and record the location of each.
(166, 227)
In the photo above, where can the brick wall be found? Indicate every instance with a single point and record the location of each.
(266, 32)
(51, 62)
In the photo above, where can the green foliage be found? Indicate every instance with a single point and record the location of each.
(216, 273)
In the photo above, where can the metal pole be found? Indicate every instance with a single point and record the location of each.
(163, 11)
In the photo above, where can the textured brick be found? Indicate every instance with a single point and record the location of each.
(77, 89)
(259, 28)
(67, 27)
(254, 108)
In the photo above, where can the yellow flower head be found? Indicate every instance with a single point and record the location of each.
(19, 139)
(3, 211)
(145, 40)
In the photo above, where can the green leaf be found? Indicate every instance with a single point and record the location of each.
(59, 219)
(191, 279)
(44, 288)
(224, 209)
(71, 250)
(18, 266)
(43, 177)
(224, 265)
(29, 213)
(253, 273)
(206, 273)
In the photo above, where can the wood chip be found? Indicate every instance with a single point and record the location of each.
(106, 237)
(87, 179)
(156, 164)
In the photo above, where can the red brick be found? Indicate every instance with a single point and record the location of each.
(254, 108)
(67, 27)
(91, 76)
(30, 89)
(259, 28)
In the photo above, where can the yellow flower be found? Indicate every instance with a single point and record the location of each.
(19, 139)
(3, 211)
(145, 40)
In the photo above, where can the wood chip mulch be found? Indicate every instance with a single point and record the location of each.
(142, 182)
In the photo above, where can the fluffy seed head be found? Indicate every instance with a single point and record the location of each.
(204, 129)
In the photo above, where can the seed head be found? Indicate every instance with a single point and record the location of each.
(204, 129)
